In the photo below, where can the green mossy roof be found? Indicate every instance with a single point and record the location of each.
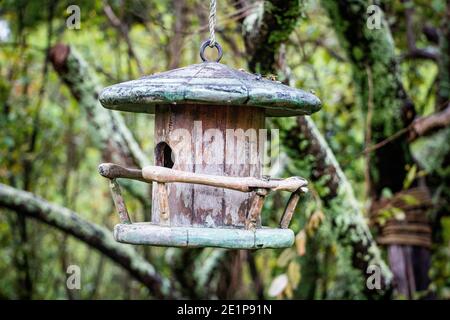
(209, 83)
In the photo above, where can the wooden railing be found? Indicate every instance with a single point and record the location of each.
(162, 176)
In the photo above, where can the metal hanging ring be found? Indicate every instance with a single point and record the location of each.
(207, 44)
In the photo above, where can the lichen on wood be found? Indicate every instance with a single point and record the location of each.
(93, 235)
(311, 153)
(376, 75)
(373, 60)
(340, 204)
(108, 128)
(266, 28)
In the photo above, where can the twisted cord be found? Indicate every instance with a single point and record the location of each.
(212, 23)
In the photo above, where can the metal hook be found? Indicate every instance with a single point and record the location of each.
(207, 44)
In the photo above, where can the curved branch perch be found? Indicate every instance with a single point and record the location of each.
(166, 175)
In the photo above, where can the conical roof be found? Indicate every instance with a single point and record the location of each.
(210, 83)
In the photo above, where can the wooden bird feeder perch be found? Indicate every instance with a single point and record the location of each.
(208, 191)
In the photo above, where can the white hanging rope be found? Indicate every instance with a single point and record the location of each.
(212, 23)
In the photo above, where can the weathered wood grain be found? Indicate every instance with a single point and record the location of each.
(113, 171)
(119, 202)
(200, 139)
(255, 209)
(167, 119)
(243, 184)
(290, 208)
(163, 205)
(239, 151)
(209, 149)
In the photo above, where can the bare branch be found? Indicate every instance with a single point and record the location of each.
(425, 125)
(180, 24)
(426, 53)
(413, 51)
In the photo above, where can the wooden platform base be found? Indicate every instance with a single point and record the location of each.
(150, 234)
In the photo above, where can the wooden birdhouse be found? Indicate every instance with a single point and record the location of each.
(208, 188)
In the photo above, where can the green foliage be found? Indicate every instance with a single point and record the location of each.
(47, 144)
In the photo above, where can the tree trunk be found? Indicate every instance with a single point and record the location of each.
(317, 158)
(108, 127)
(388, 110)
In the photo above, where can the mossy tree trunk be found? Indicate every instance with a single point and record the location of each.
(372, 55)
(444, 63)
(388, 110)
(444, 102)
(107, 129)
(438, 157)
(266, 28)
(306, 146)
(93, 235)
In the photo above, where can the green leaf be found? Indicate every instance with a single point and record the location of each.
(410, 176)
(409, 200)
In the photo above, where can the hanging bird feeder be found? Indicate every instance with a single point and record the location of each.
(208, 188)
